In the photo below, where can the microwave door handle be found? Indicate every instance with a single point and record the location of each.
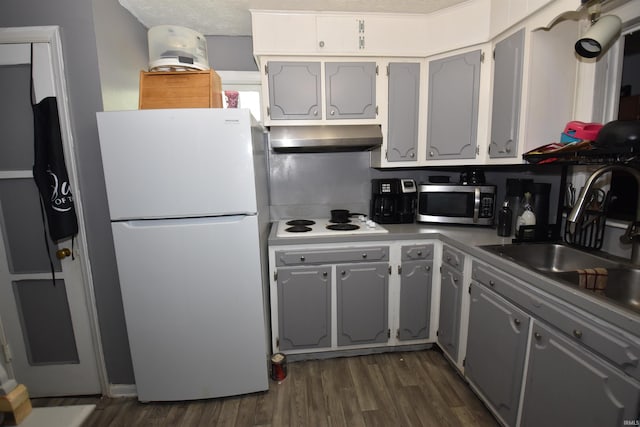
(476, 205)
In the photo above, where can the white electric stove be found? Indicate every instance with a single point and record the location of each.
(323, 227)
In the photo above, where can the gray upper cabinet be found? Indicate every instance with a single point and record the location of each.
(496, 347)
(404, 97)
(294, 90)
(350, 90)
(304, 307)
(450, 304)
(362, 302)
(416, 273)
(454, 89)
(507, 92)
(567, 385)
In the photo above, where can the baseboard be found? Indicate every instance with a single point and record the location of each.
(123, 390)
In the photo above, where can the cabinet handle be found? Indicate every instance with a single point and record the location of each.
(455, 280)
(516, 321)
(577, 333)
(321, 44)
(428, 268)
(431, 154)
(492, 283)
(343, 272)
(315, 112)
(364, 255)
(332, 112)
(412, 155)
(419, 253)
(302, 258)
(324, 274)
(537, 336)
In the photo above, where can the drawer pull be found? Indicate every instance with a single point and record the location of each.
(577, 333)
(324, 274)
(364, 255)
(302, 258)
(492, 283)
(343, 273)
(428, 268)
(419, 253)
(537, 336)
(455, 280)
(516, 321)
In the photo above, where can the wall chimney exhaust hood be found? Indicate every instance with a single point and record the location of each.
(319, 139)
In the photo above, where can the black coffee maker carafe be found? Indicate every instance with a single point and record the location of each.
(393, 201)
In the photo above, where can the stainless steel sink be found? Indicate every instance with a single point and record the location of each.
(560, 262)
(551, 257)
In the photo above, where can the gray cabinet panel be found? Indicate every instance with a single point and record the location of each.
(333, 255)
(618, 348)
(350, 90)
(417, 252)
(404, 98)
(362, 299)
(507, 92)
(415, 300)
(454, 90)
(450, 301)
(294, 90)
(304, 307)
(566, 385)
(496, 347)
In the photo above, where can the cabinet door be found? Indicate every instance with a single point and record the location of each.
(362, 294)
(507, 91)
(567, 385)
(350, 90)
(496, 347)
(450, 301)
(304, 307)
(339, 34)
(404, 97)
(294, 90)
(454, 90)
(415, 300)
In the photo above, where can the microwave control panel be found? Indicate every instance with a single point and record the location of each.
(486, 205)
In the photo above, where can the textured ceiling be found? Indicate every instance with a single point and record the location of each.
(232, 17)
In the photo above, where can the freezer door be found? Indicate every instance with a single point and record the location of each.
(179, 163)
(193, 303)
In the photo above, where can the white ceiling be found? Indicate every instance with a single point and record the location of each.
(232, 17)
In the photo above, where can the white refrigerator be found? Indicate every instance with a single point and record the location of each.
(188, 200)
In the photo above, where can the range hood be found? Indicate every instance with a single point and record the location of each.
(318, 139)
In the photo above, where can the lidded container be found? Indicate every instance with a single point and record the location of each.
(175, 48)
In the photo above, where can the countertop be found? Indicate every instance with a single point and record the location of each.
(469, 239)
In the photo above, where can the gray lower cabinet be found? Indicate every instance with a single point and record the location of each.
(404, 101)
(362, 303)
(450, 304)
(568, 385)
(454, 93)
(415, 300)
(294, 90)
(304, 307)
(507, 92)
(496, 348)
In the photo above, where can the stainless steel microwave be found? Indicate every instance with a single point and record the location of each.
(456, 204)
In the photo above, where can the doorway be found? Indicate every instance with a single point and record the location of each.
(48, 327)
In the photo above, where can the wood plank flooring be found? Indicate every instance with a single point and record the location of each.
(391, 389)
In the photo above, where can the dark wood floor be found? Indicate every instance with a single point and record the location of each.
(392, 389)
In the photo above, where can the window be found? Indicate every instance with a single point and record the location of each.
(247, 85)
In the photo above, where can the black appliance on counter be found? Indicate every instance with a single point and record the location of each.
(393, 201)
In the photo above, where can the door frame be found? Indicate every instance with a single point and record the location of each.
(51, 35)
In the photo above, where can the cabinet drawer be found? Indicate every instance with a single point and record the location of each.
(417, 252)
(453, 258)
(606, 340)
(331, 256)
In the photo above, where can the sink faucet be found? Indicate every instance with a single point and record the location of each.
(632, 234)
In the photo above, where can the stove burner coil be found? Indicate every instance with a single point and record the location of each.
(343, 227)
(300, 222)
(298, 229)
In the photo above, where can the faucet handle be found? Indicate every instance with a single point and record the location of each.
(632, 232)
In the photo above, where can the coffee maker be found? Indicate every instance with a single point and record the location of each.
(393, 200)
